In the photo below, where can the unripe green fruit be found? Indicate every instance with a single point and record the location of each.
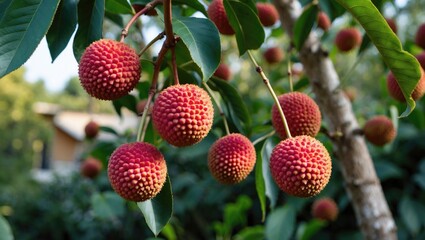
(267, 13)
(109, 69)
(91, 129)
(325, 209)
(301, 166)
(301, 112)
(379, 130)
(348, 39)
(91, 167)
(218, 16)
(137, 171)
(231, 158)
(183, 114)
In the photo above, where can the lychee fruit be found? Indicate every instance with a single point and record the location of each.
(223, 72)
(91, 167)
(421, 59)
(323, 21)
(109, 69)
(379, 130)
(395, 91)
(348, 39)
(391, 22)
(137, 171)
(218, 16)
(139, 7)
(91, 129)
(325, 209)
(420, 36)
(231, 158)
(267, 13)
(183, 114)
(301, 112)
(301, 166)
(273, 55)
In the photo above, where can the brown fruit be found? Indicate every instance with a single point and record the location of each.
(420, 36)
(301, 166)
(391, 22)
(218, 16)
(91, 167)
(231, 158)
(183, 114)
(273, 55)
(323, 21)
(91, 129)
(325, 209)
(301, 112)
(379, 130)
(348, 39)
(137, 171)
(223, 72)
(395, 91)
(267, 13)
(109, 69)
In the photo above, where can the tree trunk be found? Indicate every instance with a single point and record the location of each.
(361, 182)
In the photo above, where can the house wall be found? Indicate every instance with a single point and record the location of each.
(64, 147)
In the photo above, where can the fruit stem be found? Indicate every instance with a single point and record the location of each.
(168, 24)
(148, 7)
(291, 83)
(160, 36)
(220, 110)
(267, 135)
(269, 87)
(174, 66)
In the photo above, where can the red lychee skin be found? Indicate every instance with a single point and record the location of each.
(379, 130)
(391, 22)
(267, 13)
(91, 167)
(325, 209)
(348, 39)
(301, 112)
(231, 158)
(183, 114)
(223, 72)
(91, 129)
(420, 36)
(301, 166)
(137, 171)
(395, 91)
(139, 7)
(273, 55)
(217, 14)
(421, 59)
(323, 21)
(109, 69)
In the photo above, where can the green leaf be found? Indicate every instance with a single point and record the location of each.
(62, 28)
(109, 130)
(102, 150)
(260, 184)
(272, 191)
(5, 230)
(195, 4)
(386, 170)
(307, 230)
(304, 24)
(250, 233)
(244, 20)
(407, 210)
(203, 41)
(404, 66)
(280, 223)
(128, 101)
(118, 7)
(231, 96)
(420, 180)
(107, 205)
(90, 24)
(22, 26)
(158, 211)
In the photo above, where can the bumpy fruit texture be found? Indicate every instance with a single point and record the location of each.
(420, 36)
(139, 7)
(273, 55)
(395, 91)
(109, 69)
(183, 114)
(91, 167)
(267, 13)
(137, 171)
(391, 22)
(379, 130)
(348, 39)
(91, 129)
(301, 166)
(323, 21)
(231, 158)
(325, 209)
(223, 72)
(301, 112)
(421, 59)
(218, 16)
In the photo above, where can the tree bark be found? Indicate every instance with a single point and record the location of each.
(361, 182)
